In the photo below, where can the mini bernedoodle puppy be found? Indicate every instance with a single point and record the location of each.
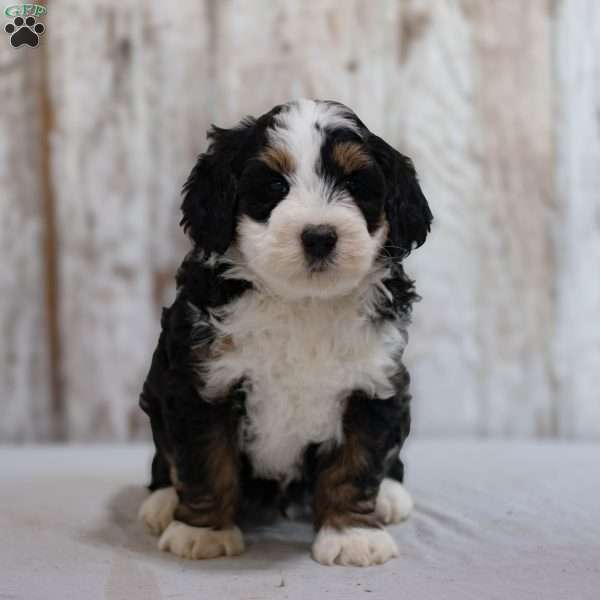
(278, 375)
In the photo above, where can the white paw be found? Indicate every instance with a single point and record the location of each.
(201, 542)
(158, 508)
(356, 546)
(394, 503)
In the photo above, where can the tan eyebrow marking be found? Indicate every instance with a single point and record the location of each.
(278, 159)
(350, 156)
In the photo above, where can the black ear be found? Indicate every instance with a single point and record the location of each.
(408, 214)
(209, 204)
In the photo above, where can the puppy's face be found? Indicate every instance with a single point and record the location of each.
(311, 218)
(310, 193)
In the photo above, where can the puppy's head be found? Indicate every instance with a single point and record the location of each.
(309, 196)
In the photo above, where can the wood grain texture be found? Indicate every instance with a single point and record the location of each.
(477, 118)
(271, 52)
(130, 118)
(435, 124)
(516, 144)
(25, 399)
(577, 228)
(497, 102)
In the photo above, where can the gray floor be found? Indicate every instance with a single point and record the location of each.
(493, 520)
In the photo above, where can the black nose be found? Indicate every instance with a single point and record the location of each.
(318, 240)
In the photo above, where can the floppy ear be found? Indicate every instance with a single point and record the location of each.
(209, 204)
(407, 212)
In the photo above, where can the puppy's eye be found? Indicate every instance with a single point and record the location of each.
(279, 187)
(351, 183)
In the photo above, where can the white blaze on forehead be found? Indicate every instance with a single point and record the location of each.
(301, 129)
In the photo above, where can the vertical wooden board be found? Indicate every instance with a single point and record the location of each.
(475, 78)
(25, 398)
(175, 111)
(128, 97)
(516, 300)
(577, 340)
(267, 53)
(435, 122)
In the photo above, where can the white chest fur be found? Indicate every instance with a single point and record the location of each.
(300, 361)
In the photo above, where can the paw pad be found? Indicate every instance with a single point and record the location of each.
(24, 31)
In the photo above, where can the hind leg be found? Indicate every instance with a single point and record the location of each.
(158, 509)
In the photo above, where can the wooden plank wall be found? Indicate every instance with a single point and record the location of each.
(25, 389)
(129, 120)
(576, 344)
(497, 102)
(479, 123)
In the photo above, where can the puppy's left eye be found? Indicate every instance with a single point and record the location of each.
(351, 183)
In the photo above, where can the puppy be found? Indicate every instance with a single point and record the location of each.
(278, 375)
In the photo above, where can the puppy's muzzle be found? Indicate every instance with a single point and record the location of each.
(318, 241)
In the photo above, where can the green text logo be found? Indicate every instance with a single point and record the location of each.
(24, 10)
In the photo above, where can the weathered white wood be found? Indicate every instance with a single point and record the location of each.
(514, 68)
(271, 52)
(577, 228)
(130, 99)
(497, 102)
(475, 88)
(25, 398)
(436, 125)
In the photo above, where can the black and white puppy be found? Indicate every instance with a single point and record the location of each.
(278, 375)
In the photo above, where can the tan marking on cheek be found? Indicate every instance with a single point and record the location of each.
(174, 479)
(383, 231)
(221, 346)
(350, 156)
(385, 227)
(278, 159)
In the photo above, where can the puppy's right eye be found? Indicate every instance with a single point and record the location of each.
(279, 187)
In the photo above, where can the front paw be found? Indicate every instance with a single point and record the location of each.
(158, 508)
(201, 542)
(394, 503)
(357, 546)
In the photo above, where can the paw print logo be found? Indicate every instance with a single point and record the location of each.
(24, 31)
